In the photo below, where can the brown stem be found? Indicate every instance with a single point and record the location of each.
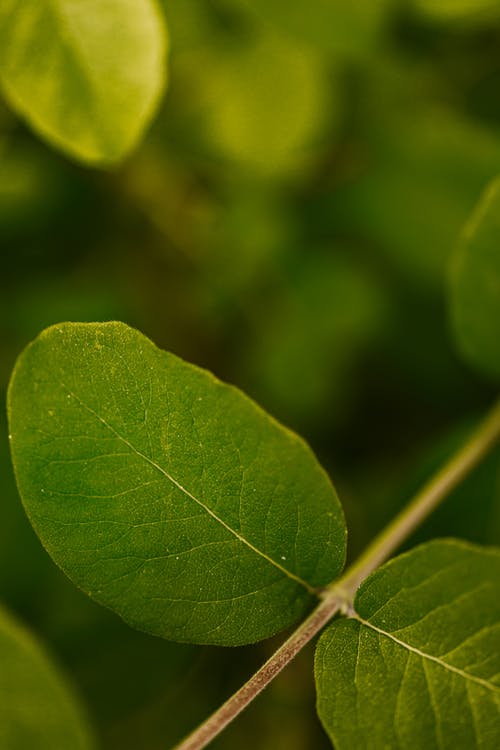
(210, 728)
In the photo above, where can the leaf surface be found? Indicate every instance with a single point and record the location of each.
(165, 494)
(475, 286)
(87, 76)
(37, 707)
(418, 664)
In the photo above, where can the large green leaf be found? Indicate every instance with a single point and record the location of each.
(475, 286)
(87, 76)
(163, 493)
(37, 708)
(417, 666)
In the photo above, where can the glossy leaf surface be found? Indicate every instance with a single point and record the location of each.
(418, 664)
(163, 493)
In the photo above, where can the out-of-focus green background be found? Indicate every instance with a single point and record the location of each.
(288, 223)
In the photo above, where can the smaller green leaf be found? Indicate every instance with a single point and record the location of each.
(86, 76)
(264, 102)
(37, 708)
(165, 494)
(475, 286)
(417, 665)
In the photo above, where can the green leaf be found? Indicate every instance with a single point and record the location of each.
(264, 102)
(475, 286)
(37, 707)
(417, 666)
(86, 76)
(166, 495)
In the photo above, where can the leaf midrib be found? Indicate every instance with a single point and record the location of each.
(429, 657)
(310, 589)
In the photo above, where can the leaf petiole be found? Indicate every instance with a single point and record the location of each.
(229, 710)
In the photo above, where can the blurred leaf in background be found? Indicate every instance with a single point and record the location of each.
(475, 286)
(59, 71)
(38, 707)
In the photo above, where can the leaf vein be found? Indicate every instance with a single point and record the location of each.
(177, 484)
(430, 657)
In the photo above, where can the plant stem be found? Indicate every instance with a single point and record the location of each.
(210, 728)
(339, 595)
(482, 440)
